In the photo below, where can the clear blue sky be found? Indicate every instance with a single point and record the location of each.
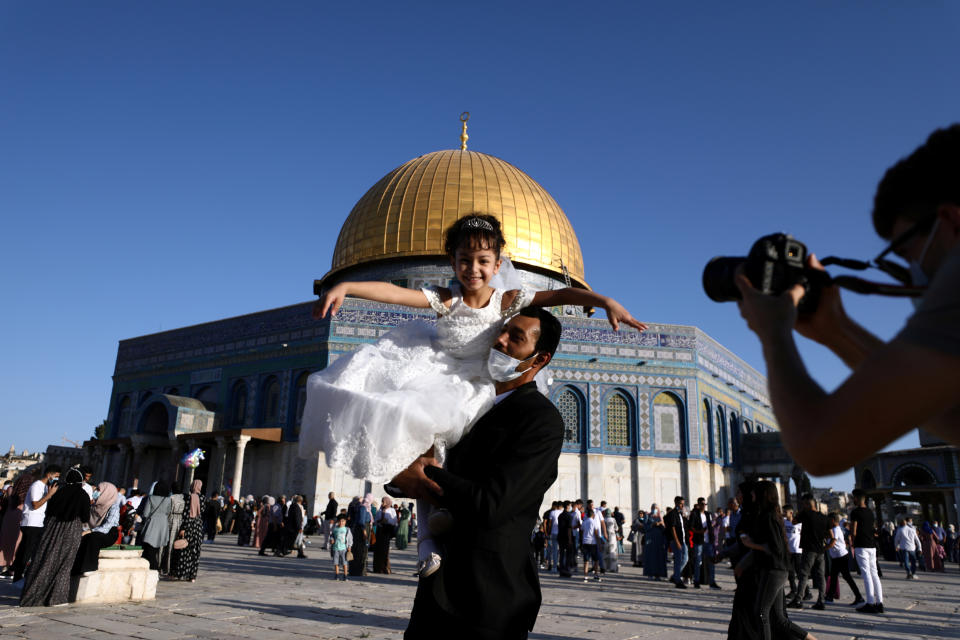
(164, 164)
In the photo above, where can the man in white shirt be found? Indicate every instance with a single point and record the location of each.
(793, 548)
(576, 523)
(906, 541)
(553, 551)
(31, 522)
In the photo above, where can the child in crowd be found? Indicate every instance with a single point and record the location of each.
(342, 541)
(419, 388)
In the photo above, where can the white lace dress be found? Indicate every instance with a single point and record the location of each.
(373, 412)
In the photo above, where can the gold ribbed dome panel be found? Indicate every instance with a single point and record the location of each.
(406, 212)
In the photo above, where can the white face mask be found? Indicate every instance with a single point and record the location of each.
(503, 368)
(918, 277)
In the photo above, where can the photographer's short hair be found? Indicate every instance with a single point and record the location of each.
(52, 468)
(550, 329)
(915, 186)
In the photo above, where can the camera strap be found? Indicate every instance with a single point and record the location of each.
(869, 287)
(860, 285)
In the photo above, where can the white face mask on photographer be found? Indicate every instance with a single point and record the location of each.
(503, 367)
(918, 277)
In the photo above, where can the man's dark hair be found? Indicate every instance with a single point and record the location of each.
(859, 494)
(806, 496)
(787, 507)
(52, 468)
(85, 470)
(677, 499)
(550, 329)
(915, 186)
(566, 503)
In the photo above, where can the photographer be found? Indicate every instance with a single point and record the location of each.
(917, 208)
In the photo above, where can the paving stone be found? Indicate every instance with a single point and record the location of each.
(241, 595)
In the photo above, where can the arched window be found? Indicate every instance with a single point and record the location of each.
(156, 420)
(618, 421)
(301, 396)
(271, 401)
(238, 404)
(571, 409)
(719, 436)
(208, 396)
(746, 427)
(733, 450)
(668, 423)
(124, 416)
(706, 434)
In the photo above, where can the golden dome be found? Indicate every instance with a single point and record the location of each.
(406, 213)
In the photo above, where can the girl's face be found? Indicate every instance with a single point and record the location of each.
(475, 266)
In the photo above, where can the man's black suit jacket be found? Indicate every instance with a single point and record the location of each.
(693, 523)
(493, 484)
(294, 518)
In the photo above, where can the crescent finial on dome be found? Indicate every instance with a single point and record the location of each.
(463, 133)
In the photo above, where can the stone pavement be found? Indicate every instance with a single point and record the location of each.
(241, 595)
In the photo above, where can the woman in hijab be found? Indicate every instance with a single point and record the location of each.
(177, 505)
(47, 582)
(104, 527)
(933, 552)
(611, 556)
(361, 528)
(244, 519)
(275, 536)
(155, 532)
(261, 528)
(635, 538)
(10, 527)
(403, 527)
(654, 545)
(386, 530)
(187, 560)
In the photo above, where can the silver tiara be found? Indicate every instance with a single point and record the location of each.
(478, 223)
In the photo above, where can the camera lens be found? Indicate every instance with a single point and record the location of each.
(718, 278)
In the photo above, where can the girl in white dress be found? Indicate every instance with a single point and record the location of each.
(422, 386)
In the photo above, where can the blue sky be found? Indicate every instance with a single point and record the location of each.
(170, 163)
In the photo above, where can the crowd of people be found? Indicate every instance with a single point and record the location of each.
(773, 548)
(53, 525)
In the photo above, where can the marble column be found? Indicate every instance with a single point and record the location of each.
(217, 465)
(175, 456)
(127, 452)
(104, 463)
(138, 450)
(241, 442)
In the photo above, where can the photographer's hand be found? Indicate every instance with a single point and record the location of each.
(830, 326)
(770, 317)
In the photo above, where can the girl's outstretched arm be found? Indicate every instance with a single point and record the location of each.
(375, 291)
(616, 313)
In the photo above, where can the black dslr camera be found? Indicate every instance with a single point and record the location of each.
(775, 264)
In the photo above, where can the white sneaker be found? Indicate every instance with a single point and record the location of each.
(428, 567)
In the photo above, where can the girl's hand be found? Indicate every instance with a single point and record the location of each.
(331, 302)
(616, 313)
